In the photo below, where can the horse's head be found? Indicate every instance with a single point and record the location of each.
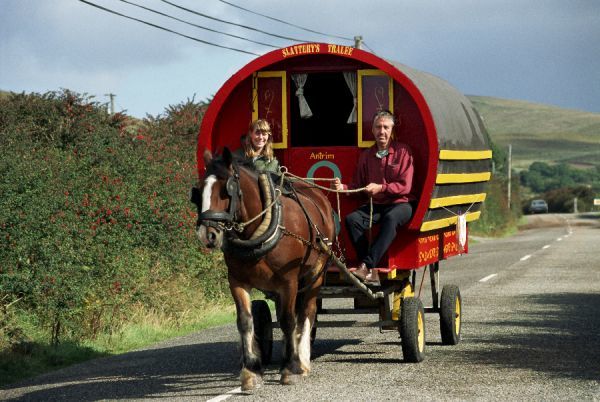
(218, 199)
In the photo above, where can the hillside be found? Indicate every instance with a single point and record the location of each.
(540, 132)
(536, 131)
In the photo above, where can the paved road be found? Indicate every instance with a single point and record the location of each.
(531, 331)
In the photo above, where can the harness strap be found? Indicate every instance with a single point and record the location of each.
(267, 188)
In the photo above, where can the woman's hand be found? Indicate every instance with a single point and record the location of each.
(337, 184)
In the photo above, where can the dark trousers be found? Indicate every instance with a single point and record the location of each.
(390, 217)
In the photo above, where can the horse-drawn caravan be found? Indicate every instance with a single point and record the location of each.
(277, 234)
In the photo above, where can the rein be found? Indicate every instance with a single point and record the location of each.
(227, 220)
(311, 181)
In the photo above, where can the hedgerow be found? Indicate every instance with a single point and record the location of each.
(95, 218)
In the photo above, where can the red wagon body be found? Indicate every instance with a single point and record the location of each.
(343, 87)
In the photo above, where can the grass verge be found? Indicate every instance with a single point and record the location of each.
(37, 356)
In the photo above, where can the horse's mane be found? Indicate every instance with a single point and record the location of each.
(219, 167)
(244, 162)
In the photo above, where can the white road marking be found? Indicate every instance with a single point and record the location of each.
(226, 395)
(526, 257)
(559, 239)
(487, 278)
(545, 247)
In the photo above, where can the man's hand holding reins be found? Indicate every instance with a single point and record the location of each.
(373, 188)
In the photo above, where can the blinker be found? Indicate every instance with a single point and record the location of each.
(195, 196)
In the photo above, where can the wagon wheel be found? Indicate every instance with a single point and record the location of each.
(412, 330)
(450, 315)
(263, 329)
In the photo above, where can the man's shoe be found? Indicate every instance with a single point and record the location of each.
(373, 277)
(361, 272)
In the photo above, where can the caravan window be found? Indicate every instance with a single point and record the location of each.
(330, 102)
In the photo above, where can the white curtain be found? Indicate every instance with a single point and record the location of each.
(300, 80)
(350, 77)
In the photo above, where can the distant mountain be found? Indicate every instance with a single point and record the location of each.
(540, 132)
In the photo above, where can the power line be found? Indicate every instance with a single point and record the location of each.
(198, 26)
(166, 29)
(285, 22)
(233, 23)
(368, 47)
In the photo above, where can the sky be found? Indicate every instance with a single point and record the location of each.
(542, 51)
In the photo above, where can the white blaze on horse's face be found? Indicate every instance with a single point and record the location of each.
(215, 238)
(207, 191)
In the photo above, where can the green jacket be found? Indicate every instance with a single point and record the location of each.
(260, 163)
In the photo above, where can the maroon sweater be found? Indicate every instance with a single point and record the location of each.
(394, 171)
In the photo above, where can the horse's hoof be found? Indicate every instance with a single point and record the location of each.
(248, 384)
(288, 378)
(249, 380)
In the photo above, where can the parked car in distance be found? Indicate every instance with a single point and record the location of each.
(538, 207)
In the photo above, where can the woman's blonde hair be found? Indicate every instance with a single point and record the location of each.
(267, 151)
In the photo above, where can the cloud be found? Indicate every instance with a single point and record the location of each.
(539, 50)
(66, 34)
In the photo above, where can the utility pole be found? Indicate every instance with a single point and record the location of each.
(358, 42)
(509, 171)
(112, 103)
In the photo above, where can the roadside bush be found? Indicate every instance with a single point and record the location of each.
(95, 217)
(563, 199)
(496, 218)
(542, 177)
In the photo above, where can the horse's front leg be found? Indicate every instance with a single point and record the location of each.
(251, 363)
(306, 320)
(290, 365)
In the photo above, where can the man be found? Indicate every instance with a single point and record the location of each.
(385, 171)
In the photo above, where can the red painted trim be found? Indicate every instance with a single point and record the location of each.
(205, 139)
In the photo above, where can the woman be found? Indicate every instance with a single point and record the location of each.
(258, 146)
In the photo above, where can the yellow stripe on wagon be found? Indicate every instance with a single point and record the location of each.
(448, 154)
(445, 222)
(450, 178)
(456, 200)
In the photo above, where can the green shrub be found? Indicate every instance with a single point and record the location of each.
(563, 199)
(496, 218)
(542, 177)
(95, 217)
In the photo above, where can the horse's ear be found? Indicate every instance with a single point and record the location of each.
(227, 156)
(207, 157)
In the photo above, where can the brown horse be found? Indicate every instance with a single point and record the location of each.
(269, 243)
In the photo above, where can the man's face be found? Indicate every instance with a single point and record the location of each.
(382, 131)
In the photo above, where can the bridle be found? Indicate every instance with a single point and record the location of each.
(225, 220)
